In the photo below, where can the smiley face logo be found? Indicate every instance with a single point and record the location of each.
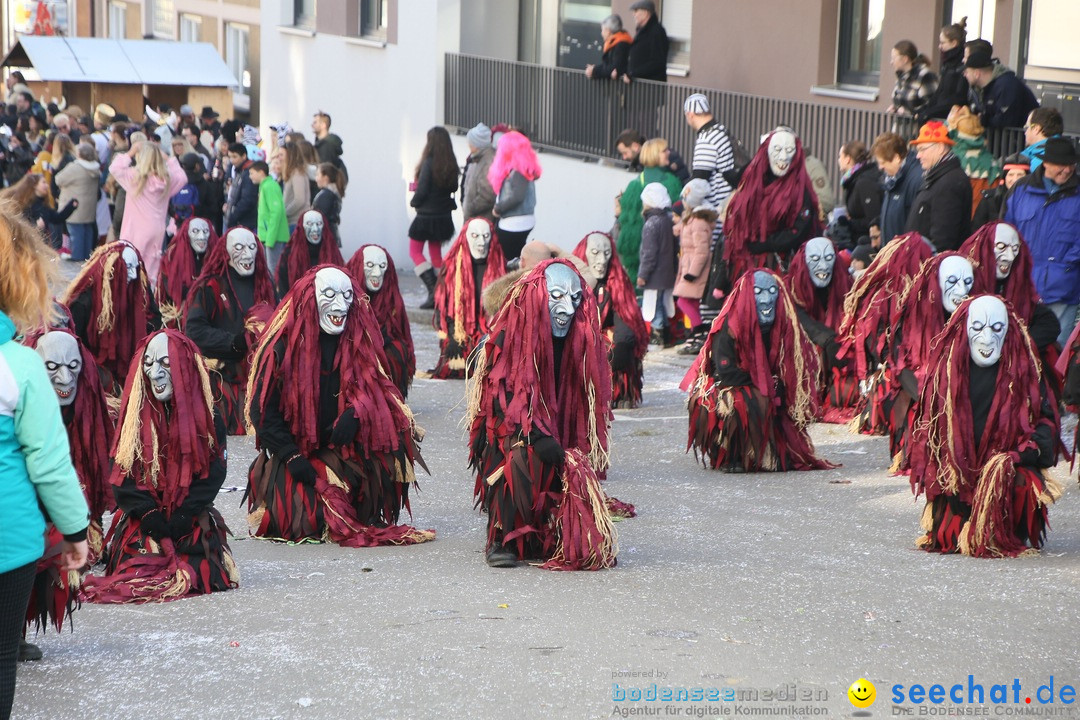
(862, 693)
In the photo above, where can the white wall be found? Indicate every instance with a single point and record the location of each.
(383, 101)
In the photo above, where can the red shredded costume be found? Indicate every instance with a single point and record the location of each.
(180, 267)
(306, 384)
(389, 309)
(459, 317)
(300, 255)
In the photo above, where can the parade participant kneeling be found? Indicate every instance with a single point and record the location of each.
(473, 261)
(337, 442)
(539, 411)
(169, 541)
(181, 266)
(754, 387)
(312, 243)
(227, 307)
(620, 318)
(112, 309)
(819, 281)
(981, 444)
(373, 267)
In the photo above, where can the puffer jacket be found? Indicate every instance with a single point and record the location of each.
(1050, 225)
(695, 256)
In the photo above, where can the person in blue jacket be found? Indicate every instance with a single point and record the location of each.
(36, 473)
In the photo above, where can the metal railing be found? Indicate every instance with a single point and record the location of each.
(564, 111)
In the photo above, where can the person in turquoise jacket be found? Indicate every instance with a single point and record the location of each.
(273, 228)
(35, 462)
(653, 155)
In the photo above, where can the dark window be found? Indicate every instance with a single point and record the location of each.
(304, 13)
(859, 60)
(373, 16)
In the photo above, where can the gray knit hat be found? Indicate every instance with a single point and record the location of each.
(479, 136)
(697, 104)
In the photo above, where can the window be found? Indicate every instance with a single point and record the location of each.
(1051, 41)
(304, 13)
(979, 13)
(677, 18)
(190, 28)
(236, 57)
(373, 16)
(117, 21)
(859, 57)
(162, 18)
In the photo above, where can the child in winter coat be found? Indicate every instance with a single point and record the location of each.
(656, 271)
(695, 259)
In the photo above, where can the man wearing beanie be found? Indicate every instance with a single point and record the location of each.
(1006, 100)
(477, 196)
(1044, 206)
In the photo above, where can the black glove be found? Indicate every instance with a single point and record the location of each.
(239, 343)
(345, 428)
(153, 524)
(179, 524)
(550, 451)
(832, 349)
(301, 470)
(689, 278)
(1029, 456)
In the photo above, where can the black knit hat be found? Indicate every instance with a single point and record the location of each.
(1060, 151)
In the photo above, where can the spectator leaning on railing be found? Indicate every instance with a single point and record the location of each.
(616, 55)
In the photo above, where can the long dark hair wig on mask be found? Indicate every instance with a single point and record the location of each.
(1018, 290)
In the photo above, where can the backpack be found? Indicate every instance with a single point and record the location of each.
(184, 202)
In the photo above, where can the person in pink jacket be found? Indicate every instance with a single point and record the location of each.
(149, 184)
(695, 259)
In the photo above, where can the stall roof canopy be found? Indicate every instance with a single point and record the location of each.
(123, 62)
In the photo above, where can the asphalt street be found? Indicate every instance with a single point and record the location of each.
(796, 584)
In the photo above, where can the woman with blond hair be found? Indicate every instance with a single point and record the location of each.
(652, 157)
(38, 475)
(148, 185)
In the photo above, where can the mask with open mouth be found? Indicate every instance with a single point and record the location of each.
(598, 254)
(957, 278)
(242, 247)
(334, 296)
(374, 267)
(313, 226)
(987, 323)
(131, 262)
(157, 367)
(60, 351)
(564, 297)
(766, 294)
(781, 152)
(479, 238)
(198, 233)
(820, 260)
(1006, 249)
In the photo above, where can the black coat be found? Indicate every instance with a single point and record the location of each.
(431, 198)
(989, 207)
(942, 209)
(617, 58)
(648, 53)
(952, 87)
(862, 197)
(1007, 102)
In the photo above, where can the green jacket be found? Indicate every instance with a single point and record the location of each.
(35, 459)
(273, 226)
(630, 218)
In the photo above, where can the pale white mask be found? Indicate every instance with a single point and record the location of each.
(987, 323)
(781, 152)
(374, 267)
(820, 260)
(313, 226)
(334, 296)
(158, 368)
(242, 247)
(598, 254)
(478, 235)
(131, 262)
(60, 351)
(564, 297)
(1006, 249)
(198, 233)
(956, 278)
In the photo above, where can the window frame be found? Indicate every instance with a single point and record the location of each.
(376, 29)
(118, 12)
(242, 93)
(845, 75)
(301, 17)
(193, 22)
(150, 8)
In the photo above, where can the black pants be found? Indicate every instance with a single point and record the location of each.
(14, 595)
(512, 242)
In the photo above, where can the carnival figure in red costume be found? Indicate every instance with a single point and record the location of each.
(984, 432)
(473, 261)
(869, 317)
(539, 411)
(773, 211)
(181, 266)
(337, 441)
(312, 243)
(818, 281)
(754, 386)
(224, 313)
(620, 317)
(85, 413)
(168, 541)
(944, 281)
(112, 309)
(374, 269)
